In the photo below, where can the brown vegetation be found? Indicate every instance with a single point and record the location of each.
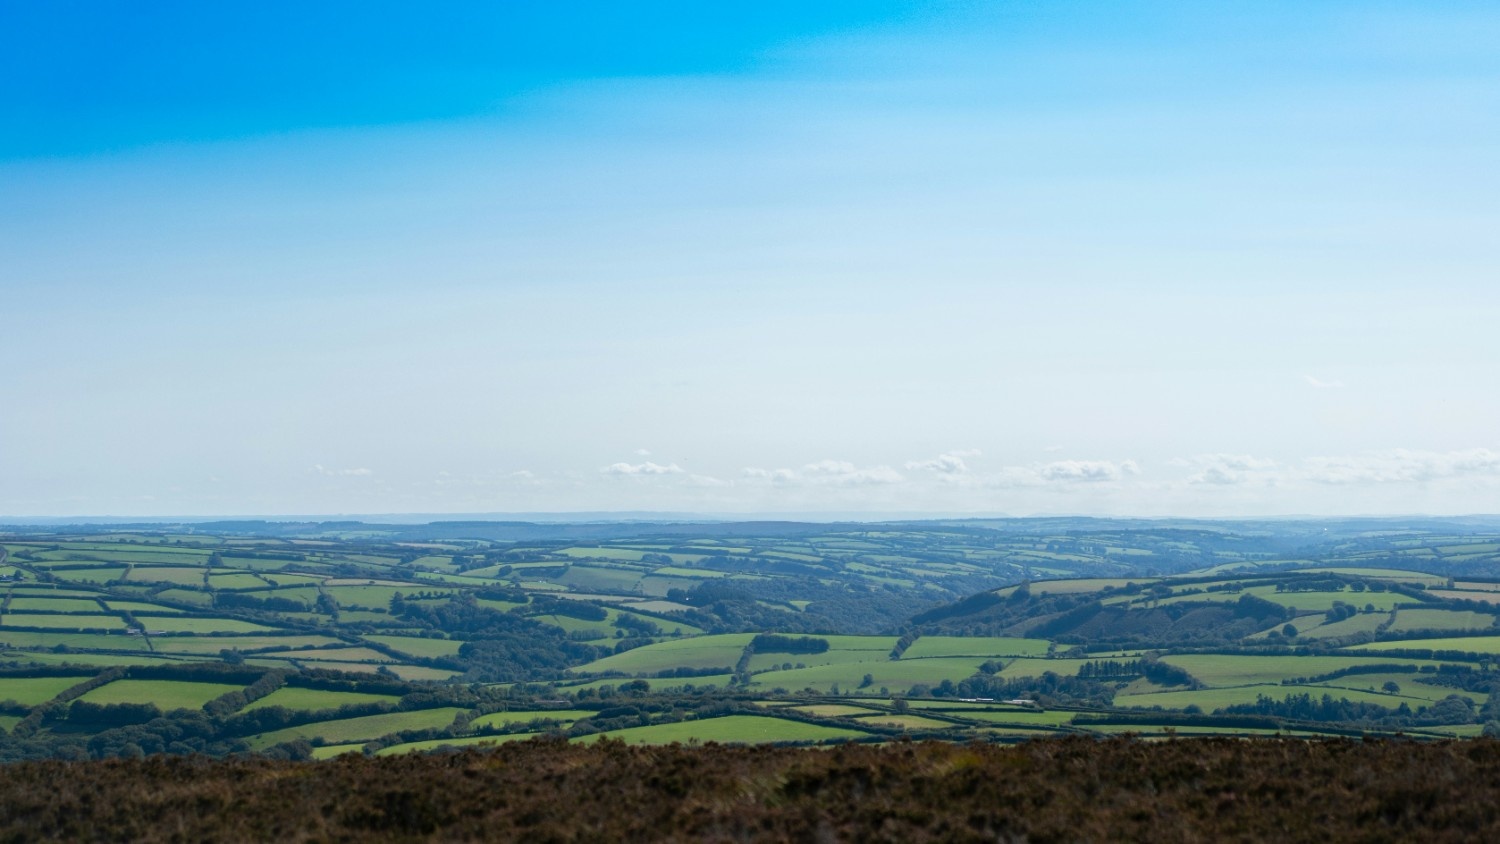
(1053, 790)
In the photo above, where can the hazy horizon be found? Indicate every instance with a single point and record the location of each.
(1140, 260)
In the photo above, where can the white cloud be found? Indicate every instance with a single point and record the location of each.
(323, 470)
(828, 472)
(641, 452)
(522, 475)
(1227, 469)
(947, 463)
(646, 468)
(1088, 471)
(777, 476)
(1314, 381)
(1403, 466)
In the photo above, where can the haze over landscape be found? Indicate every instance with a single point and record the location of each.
(862, 258)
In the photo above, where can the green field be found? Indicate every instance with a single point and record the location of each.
(774, 661)
(166, 694)
(214, 644)
(31, 691)
(439, 744)
(1211, 699)
(364, 728)
(833, 710)
(418, 647)
(1471, 644)
(174, 575)
(896, 676)
(1324, 601)
(142, 607)
(1362, 623)
(53, 604)
(748, 729)
(903, 722)
(982, 646)
(292, 697)
(92, 659)
(524, 716)
(721, 651)
(1018, 717)
(203, 624)
(100, 621)
(1220, 670)
(1423, 619)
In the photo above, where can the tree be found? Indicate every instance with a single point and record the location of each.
(1289, 631)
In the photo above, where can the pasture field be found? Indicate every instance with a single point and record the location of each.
(526, 716)
(46, 590)
(746, 729)
(327, 665)
(346, 654)
(833, 710)
(163, 574)
(186, 596)
(1211, 699)
(139, 607)
(1487, 596)
(894, 675)
(377, 597)
(904, 722)
(93, 659)
(774, 661)
(1017, 717)
(314, 700)
(419, 647)
(1068, 587)
(1362, 623)
(333, 751)
(80, 621)
(204, 624)
(91, 575)
(1470, 644)
(658, 606)
(420, 673)
(1397, 575)
(282, 578)
(1219, 670)
(1032, 667)
(439, 744)
(721, 651)
(594, 577)
(1324, 601)
(234, 580)
(1407, 685)
(661, 684)
(982, 646)
(214, 644)
(1423, 619)
(166, 694)
(364, 728)
(40, 604)
(31, 691)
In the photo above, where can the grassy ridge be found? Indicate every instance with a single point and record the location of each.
(1049, 790)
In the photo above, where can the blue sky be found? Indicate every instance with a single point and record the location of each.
(1045, 257)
